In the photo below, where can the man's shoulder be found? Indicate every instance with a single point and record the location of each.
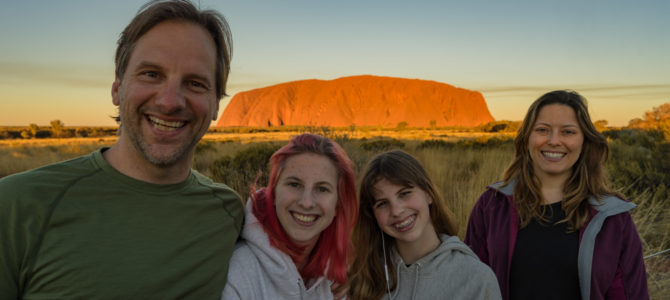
(232, 202)
(62, 171)
(37, 184)
(216, 187)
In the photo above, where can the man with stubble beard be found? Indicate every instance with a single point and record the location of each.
(133, 221)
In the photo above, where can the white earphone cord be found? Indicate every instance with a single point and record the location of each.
(386, 270)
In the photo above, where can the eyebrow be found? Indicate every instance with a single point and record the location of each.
(146, 64)
(547, 124)
(318, 182)
(404, 188)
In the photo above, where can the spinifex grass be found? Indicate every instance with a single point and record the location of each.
(461, 172)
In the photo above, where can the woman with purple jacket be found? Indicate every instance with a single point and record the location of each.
(553, 229)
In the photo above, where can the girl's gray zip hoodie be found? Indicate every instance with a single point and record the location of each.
(260, 271)
(452, 271)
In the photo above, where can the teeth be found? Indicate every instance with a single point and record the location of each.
(304, 218)
(165, 125)
(553, 154)
(405, 223)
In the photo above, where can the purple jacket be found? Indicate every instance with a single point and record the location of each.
(610, 263)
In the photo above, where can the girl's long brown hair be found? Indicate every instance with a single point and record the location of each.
(366, 279)
(588, 175)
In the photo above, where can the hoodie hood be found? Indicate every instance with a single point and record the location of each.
(276, 266)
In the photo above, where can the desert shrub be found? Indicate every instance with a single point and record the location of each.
(435, 144)
(41, 134)
(401, 125)
(485, 143)
(382, 145)
(245, 168)
(639, 162)
(500, 126)
(81, 131)
(204, 146)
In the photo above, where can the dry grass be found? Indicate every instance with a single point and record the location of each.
(20, 155)
(460, 174)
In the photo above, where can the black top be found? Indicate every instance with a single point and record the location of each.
(544, 263)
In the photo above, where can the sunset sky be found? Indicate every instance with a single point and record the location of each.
(56, 57)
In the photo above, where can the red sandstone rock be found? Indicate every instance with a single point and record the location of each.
(361, 100)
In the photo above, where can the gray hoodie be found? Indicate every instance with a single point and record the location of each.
(260, 271)
(452, 271)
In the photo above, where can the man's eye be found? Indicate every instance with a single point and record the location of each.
(151, 74)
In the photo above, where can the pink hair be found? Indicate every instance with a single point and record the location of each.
(329, 256)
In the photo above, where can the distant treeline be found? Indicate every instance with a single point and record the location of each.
(59, 130)
(657, 119)
(56, 130)
(494, 126)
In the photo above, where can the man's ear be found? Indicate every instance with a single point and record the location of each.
(115, 91)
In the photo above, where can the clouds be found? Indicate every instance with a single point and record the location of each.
(73, 76)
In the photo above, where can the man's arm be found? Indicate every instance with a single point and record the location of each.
(9, 244)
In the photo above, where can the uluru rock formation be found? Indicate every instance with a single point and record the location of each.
(360, 100)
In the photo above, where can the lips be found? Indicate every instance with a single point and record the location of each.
(165, 125)
(405, 224)
(304, 219)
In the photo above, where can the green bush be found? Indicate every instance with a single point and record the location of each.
(382, 145)
(204, 146)
(246, 168)
(500, 126)
(436, 144)
(638, 163)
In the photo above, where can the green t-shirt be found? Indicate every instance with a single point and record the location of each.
(79, 229)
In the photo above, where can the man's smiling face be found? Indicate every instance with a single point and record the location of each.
(167, 96)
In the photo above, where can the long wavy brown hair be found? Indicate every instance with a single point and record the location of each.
(366, 279)
(587, 179)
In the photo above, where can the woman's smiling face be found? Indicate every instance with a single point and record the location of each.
(403, 212)
(555, 142)
(306, 197)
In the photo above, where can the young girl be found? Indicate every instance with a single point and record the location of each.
(296, 232)
(405, 239)
(553, 229)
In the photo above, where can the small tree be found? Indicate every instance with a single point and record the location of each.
(656, 119)
(658, 114)
(33, 128)
(601, 125)
(401, 125)
(57, 128)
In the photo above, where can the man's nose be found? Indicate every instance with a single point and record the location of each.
(171, 97)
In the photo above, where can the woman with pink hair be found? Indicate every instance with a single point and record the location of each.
(295, 239)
